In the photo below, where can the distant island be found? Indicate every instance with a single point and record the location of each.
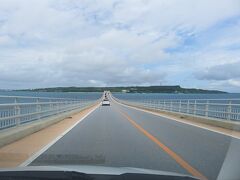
(128, 89)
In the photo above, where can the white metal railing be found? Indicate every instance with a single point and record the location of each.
(17, 110)
(225, 109)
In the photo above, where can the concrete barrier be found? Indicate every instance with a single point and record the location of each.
(13, 134)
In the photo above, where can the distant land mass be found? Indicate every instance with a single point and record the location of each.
(128, 89)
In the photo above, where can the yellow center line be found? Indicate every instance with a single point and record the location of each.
(171, 153)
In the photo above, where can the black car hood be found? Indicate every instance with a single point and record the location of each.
(101, 170)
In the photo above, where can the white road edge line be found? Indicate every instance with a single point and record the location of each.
(188, 123)
(37, 154)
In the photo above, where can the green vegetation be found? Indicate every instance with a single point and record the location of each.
(129, 89)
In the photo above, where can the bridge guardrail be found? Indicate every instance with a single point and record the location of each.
(19, 109)
(224, 109)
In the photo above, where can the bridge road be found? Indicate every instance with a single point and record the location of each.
(120, 136)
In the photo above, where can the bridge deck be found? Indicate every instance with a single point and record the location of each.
(109, 137)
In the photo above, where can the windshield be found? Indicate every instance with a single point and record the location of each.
(126, 84)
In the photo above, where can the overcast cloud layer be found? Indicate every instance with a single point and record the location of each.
(47, 43)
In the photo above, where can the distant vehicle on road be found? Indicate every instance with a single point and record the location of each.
(105, 102)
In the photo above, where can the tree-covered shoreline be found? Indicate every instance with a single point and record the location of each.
(126, 89)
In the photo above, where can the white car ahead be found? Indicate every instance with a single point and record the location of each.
(105, 102)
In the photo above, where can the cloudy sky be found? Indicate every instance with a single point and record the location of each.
(47, 43)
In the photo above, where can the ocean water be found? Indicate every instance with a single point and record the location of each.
(123, 96)
(159, 96)
(218, 102)
(72, 95)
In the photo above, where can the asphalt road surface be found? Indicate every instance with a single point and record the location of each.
(120, 136)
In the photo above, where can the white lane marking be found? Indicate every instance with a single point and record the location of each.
(188, 123)
(37, 154)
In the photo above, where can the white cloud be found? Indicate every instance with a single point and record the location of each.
(54, 42)
(234, 82)
(221, 72)
(5, 40)
(168, 14)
